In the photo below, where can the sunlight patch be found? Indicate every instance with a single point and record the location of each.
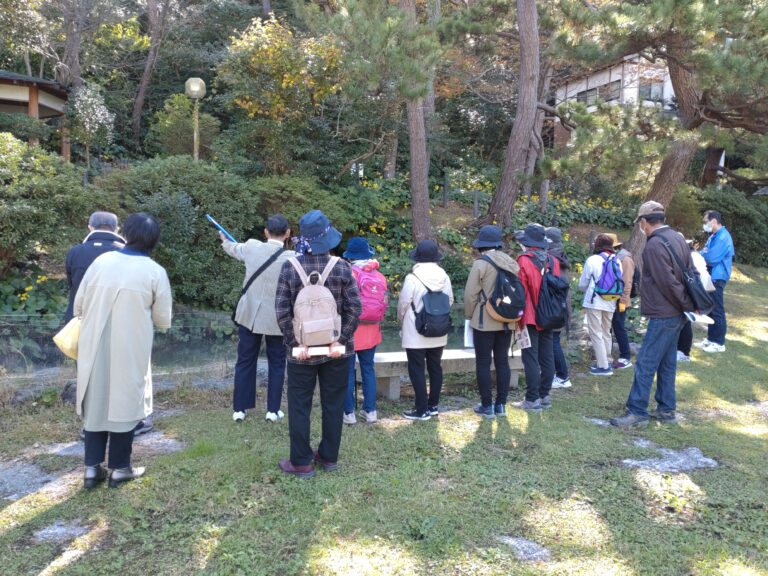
(37, 502)
(207, 545)
(732, 567)
(361, 558)
(457, 432)
(670, 497)
(573, 521)
(76, 549)
(590, 567)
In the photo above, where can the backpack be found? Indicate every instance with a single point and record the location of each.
(434, 318)
(552, 307)
(373, 294)
(506, 303)
(610, 285)
(636, 277)
(316, 321)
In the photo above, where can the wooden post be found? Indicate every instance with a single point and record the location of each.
(33, 108)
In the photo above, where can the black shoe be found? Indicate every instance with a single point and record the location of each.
(416, 415)
(500, 409)
(93, 475)
(142, 427)
(664, 416)
(485, 411)
(433, 411)
(122, 475)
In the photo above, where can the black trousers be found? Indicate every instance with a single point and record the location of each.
(244, 395)
(685, 340)
(120, 448)
(302, 378)
(494, 343)
(538, 364)
(417, 359)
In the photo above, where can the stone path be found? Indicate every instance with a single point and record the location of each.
(526, 550)
(19, 478)
(670, 460)
(61, 531)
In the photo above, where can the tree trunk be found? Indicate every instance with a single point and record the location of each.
(266, 7)
(390, 156)
(673, 169)
(27, 62)
(434, 13)
(68, 72)
(504, 197)
(156, 20)
(544, 194)
(530, 168)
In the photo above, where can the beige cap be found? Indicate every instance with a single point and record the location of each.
(616, 241)
(649, 208)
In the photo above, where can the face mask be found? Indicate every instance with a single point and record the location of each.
(707, 227)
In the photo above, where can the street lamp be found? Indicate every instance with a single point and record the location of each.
(195, 89)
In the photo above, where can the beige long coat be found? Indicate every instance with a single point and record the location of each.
(119, 300)
(482, 277)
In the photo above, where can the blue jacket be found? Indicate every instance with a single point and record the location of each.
(718, 253)
(81, 256)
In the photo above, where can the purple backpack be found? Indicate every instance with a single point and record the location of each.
(610, 285)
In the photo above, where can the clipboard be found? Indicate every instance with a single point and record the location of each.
(221, 228)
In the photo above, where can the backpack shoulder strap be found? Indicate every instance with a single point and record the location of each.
(327, 270)
(300, 271)
(491, 262)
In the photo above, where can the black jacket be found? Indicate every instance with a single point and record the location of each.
(80, 257)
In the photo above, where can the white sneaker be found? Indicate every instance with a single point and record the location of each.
(274, 416)
(350, 418)
(712, 347)
(238, 416)
(682, 357)
(370, 417)
(558, 382)
(703, 343)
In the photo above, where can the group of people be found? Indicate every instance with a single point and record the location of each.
(295, 300)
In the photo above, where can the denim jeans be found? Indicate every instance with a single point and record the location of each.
(538, 364)
(244, 394)
(561, 364)
(496, 343)
(657, 356)
(368, 376)
(716, 332)
(620, 332)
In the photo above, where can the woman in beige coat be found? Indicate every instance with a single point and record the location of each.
(492, 338)
(122, 295)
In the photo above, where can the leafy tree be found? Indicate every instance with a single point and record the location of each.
(171, 131)
(90, 121)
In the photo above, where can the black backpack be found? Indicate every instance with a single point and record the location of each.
(434, 318)
(636, 276)
(506, 303)
(552, 309)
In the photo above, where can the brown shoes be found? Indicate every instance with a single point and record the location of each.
(325, 464)
(300, 471)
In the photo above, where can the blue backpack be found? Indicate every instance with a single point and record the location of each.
(610, 285)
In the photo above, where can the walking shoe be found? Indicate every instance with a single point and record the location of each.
(325, 464)
(93, 475)
(546, 402)
(500, 409)
(122, 475)
(712, 347)
(370, 417)
(275, 416)
(534, 406)
(433, 411)
(485, 411)
(299, 471)
(629, 421)
(664, 416)
(238, 416)
(415, 415)
(82, 434)
(682, 357)
(143, 427)
(595, 371)
(622, 363)
(350, 418)
(558, 382)
(703, 343)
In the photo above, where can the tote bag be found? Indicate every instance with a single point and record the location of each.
(67, 338)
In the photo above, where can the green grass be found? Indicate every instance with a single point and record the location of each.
(431, 497)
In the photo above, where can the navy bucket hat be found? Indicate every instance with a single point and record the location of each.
(532, 236)
(426, 251)
(358, 248)
(490, 236)
(318, 236)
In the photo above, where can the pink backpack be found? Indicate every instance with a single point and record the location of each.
(372, 287)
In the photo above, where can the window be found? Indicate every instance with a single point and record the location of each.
(589, 97)
(611, 91)
(652, 90)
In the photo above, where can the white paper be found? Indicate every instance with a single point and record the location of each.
(699, 318)
(523, 338)
(469, 335)
(319, 350)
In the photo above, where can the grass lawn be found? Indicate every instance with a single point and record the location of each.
(429, 497)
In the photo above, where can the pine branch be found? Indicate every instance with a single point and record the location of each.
(567, 123)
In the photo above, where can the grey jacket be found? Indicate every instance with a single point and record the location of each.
(256, 309)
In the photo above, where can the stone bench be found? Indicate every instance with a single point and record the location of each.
(390, 366)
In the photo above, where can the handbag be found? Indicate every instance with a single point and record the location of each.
(702, 300)
(253, 277)
(66, 338)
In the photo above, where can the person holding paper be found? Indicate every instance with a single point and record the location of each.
(256, 318)
(491, 337)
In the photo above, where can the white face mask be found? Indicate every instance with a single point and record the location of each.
(707, 227)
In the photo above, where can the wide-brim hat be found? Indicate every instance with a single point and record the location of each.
(358, 248)
(490, 236)
(615, 239)
(553, 234)
(532, 236)
(317, 230)
(426, 251)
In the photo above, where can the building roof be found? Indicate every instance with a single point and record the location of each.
(24, 80)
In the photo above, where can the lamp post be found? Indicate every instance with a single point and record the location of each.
(195, 89)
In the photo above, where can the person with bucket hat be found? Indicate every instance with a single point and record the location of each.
(492, 338)
(423, 351)
(562, 379)
(620, 314)
(664, 301)
(538, 358)
(317, 238)
(372, 287)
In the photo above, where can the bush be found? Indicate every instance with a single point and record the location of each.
(24, 127)
(171, 132)
(563, 211)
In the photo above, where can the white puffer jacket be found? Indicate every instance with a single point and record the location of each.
(436, 279)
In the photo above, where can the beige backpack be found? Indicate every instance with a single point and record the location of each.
(316, 321)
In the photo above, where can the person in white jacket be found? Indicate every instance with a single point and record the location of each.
(598, 310)
(685, 340)
(422, 350)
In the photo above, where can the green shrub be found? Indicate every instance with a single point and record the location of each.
(171, 132)
(564, 211)
(24, 127)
